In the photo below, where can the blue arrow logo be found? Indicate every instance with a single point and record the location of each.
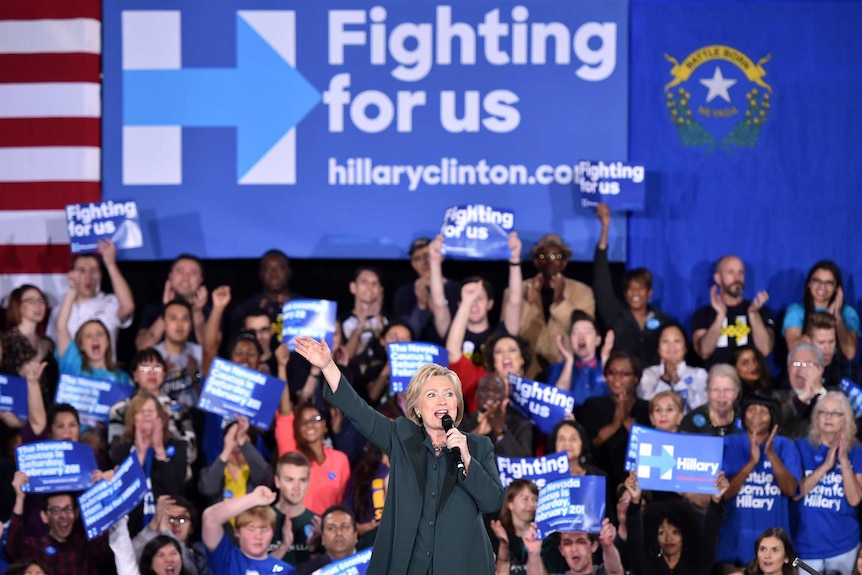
(665, 461)
(263, 97)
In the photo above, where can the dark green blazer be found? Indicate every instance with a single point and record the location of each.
(461, 544)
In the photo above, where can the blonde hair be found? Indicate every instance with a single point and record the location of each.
(420, 378)
(262, 513)
(674, 396)
(849, 417)
(135, 405)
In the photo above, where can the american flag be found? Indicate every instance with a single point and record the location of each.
(50, 122)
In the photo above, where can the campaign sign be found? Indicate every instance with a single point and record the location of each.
(621, 186)
(544, 404)
(56, 466)
(539, 470)
(115, 221)
(309, 317)
(231, 389)
(477, 231)
(854, 394)
(13, 395)
(92, 398)
(107, 502)
(682, 462)
(571, 504)
(354, 565)
(406, 358)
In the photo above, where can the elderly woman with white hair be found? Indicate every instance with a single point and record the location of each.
(827, 534)
(432, 518)
(719, 416)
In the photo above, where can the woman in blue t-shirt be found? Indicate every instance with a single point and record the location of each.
(824, 291)
(827, 534)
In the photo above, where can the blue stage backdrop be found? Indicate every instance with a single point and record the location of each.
(747, 117)
(345, 129)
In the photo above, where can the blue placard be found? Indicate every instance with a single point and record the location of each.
(539, 470)
(681, 462)
(571, 504)
(354, 565)
(621, 186)
(409, 107)
(477, 231)
(406, 358)
(106, 502)
(231, 389)
(13, 396)
(92, 398)
(854, 394)
(56, 466)
(544, 404)
(114, 220)
(313, 318)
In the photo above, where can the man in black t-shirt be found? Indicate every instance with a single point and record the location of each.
(292, 471)
(731, 321)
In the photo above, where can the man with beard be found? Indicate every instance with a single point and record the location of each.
(338, 537)
(731, 321)
(65, 550)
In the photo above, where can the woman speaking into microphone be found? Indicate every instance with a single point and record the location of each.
(432, 518)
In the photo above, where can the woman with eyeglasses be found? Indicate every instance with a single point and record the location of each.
(23, 343)
(148, 370)
(609, 419)
(824, 291)
(827, 534)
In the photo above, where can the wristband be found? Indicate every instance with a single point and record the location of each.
(513, 264)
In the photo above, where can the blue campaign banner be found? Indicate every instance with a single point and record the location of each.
(544, 404)
(477, 232)
(116, 221)
(56, 466)
(231, 389)
(621, 186)
(309, 317)
(409, 107)
(539, 470)
(13, 396)
(683, 462)
(354, 565)
(854, 394)
(107, 502)
(406, 358)
(92, 398)
(571, 504)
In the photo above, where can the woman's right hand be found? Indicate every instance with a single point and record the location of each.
(316, 352)
(500, 532)
(633, 487)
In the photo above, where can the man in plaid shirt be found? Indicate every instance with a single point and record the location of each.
(65, 549)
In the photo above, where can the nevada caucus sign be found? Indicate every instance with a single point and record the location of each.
(290, 118)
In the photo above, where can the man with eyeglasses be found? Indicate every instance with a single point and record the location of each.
(805, 373)
(65, 549)
(549, 298)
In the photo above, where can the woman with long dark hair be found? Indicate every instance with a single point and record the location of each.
(773, 554)
(22, 342)
(824, 291)
(515, 523)
(330, 468)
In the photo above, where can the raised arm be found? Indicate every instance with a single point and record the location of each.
(212, 332)
(36, 414)
(118, 282)
(514, 298)
(848, 340)
(150, 336)
(215, 516)
(607, 303)
(610, 554)
(64, 338)
(458, 329)
(763, 336)
(439, 305)
(705, 340)
(319, 355)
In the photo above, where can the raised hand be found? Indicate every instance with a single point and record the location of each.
(607, 346)
(435, 249)
(500, 532)
(608, 533)
(317, 353)
(201, 296)
(633, 487)
(263, 495)
(558, 284)
(721, 483)
(242, 428)
(563, 348)
(716, 302)
(282, 354)
(168, 294)
(221, 296)
(108, 251)
(838, 303)
(32, 370)
(604, 214)
(514, 247)
(759, 301)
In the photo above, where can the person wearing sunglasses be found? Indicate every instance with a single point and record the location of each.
(549, 300)
(608, 419)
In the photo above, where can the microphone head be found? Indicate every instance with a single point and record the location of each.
(448, 422)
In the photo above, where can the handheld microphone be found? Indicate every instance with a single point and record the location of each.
(449, 423)
(800, 563)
